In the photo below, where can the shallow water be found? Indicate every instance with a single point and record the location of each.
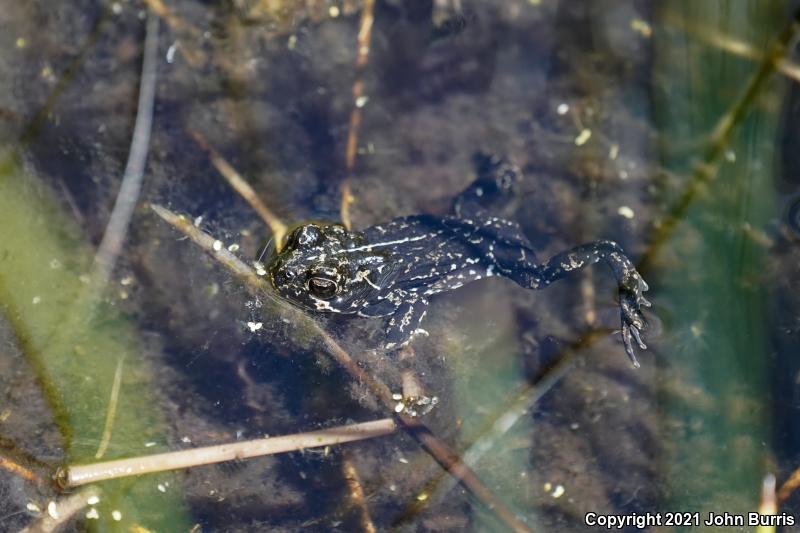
(657, 125)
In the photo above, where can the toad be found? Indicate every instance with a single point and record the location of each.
(391, 270)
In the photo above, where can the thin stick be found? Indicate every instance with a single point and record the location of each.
(15, 468)
(193, 56)
(244, 189)
(789, 486)
(172, 20)
(131, 186)
(347, 200)
(736, 47)
(60, 512)
(112, 411)
(439, 451)
(77, 475)
(362, 60)
(357, 496)
(769, 504)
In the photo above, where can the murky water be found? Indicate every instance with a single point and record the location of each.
(655, 124)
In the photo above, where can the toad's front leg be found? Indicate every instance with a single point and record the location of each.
(404, 322)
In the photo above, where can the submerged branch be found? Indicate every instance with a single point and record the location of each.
(128, 195)
(77, 475)
(244, 189)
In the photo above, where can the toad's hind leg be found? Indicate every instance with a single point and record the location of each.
(630, 283)
(491, 191)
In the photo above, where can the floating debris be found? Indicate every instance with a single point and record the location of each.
(583, 137)
(642, 27)
(625, 211)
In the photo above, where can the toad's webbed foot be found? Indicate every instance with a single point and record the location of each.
(633, 322)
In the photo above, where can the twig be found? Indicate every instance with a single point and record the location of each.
(736, 47)
(362, 59)
(15, 468)
(244, 189)
(60, 512)
(77, 475)
(789, 486)
(357, 496)
(439, 451)
(112, 410)
(769, 504)
(194, 57)
(347, 200)
(172, 20)
(131, 186)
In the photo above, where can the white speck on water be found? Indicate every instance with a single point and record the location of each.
(562, 108)
(170, 57)
(583, 137)
(613, 151)
(642, 28)
(558, 491)
(92, 514)
(116, 515)
(361, 101)
(626, 212)
(217, 246)
(254, 326)
(36, 300)
(233, 247)
(52, 510)
(92, 500)
(33, 507)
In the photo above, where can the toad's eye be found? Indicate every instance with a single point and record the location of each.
(322, 287)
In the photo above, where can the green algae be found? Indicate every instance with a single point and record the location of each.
(74, 339)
